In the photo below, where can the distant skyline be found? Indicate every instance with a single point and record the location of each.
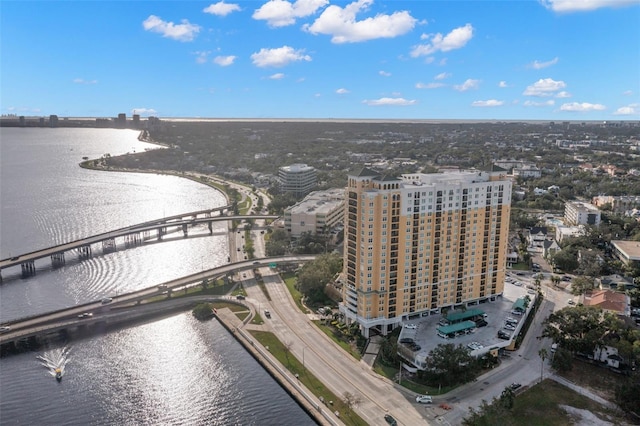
(507, 60)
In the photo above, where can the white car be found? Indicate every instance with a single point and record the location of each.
(410, 326)
(424, 399)
(4, 329)
(509, 327)
(571, 302)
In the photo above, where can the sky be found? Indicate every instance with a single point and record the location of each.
(322, 59)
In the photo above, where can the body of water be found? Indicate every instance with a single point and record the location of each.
(172, 371)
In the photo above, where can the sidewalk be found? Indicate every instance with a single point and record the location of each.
(582, 391)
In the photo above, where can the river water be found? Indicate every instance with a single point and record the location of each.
(174, 371)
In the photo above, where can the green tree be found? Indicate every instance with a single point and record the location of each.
(202, 311)
(314, 276)
(448, 364)
(542, 353)
(581, 285)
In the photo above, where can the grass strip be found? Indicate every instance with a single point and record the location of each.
(291, 363)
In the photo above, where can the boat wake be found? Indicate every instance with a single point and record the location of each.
(55, 361)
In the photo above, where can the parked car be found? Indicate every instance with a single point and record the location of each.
(267, 314)
(515, 386)
(509, 327)
(410, 326)
(424, 399)
(571, 302)
(240, 297)
(406, 340)
(389, 419)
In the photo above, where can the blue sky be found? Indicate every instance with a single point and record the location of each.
(510, 60)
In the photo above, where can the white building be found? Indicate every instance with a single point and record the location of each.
(317, 213)
(579, 213)
(563, 232)
(298, 179)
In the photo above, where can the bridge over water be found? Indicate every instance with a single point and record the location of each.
(123, 307)
(133, 235)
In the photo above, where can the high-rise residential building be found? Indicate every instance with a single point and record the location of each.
(298, 179)
(419, 243)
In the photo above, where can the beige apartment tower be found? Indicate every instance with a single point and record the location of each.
(419, 243)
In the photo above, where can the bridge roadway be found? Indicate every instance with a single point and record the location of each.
(159, 225)
(127, 303)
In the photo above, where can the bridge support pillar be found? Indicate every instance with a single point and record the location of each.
(109, 245)
(185, 230)
(28, 268)
(132, 240)
(161, 232)
(84, 252)
(57, 260)
(210, 225)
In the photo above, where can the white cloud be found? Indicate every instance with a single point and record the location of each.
(276, 76)
(487, 103)
(456, 39)
(563, 94)
(384, 73)
(281, 13)
(389, 101)
(83, 81)
(202, 56)
(341, 24)
(467, 85)
(584, 106)
(224, 61)
(221, 8)
(278, 57)
(429, 85)
(503, 84)
(583, 5)
(537, 65)
(631, 109)
(144, 111)
(550, 102)
(342, 91)
(544, 87)
(442, 76)
(628, 92)
(181, 32)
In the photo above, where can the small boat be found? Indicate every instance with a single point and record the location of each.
(58, 374)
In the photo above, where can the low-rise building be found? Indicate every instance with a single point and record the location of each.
(609, 301)
(563, 232)
(579, 213)
(317, 213)
(618, 204)
(628, 252)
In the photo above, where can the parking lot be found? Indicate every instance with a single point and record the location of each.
(479, 340)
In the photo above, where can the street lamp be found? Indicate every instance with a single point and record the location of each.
(303, 367)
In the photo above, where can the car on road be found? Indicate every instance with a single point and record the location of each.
(515, 386)
(267, 314)
(531, 291)
(85, 315)
(424, 399)
(389, 419)
(571, 302)
(256, 263)
(106, 300)
(5, 328)
(240, 297)
(410, 326)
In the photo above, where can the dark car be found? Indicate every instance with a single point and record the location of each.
(406, 340)
(515, 386)
(389, 419)
(267, 314)
(481, 323)
(240, 297)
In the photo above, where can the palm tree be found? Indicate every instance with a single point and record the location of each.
(543, 355)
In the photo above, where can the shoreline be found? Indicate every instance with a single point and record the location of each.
(233, 325)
